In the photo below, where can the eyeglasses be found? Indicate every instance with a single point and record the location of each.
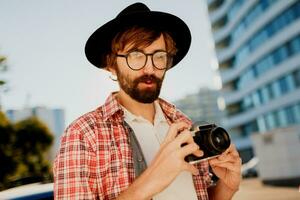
(137, 60)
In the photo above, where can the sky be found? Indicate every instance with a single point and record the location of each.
(44, 45)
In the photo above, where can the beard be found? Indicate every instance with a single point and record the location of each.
(131, 87)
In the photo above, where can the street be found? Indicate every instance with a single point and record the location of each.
(253, 189)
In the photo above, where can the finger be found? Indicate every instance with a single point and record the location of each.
(191, 168)
(216, 162)
(224, 156)
(184, 137)
(174, 129)
(228, 165)
(231, 159)
(231, 149)
(191, 149)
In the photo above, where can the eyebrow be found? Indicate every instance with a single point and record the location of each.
(137, 49)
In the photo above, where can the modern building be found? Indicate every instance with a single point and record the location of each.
(257, 46)
(53, 118)
(202, 106)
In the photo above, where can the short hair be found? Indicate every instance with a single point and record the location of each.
(138, 37)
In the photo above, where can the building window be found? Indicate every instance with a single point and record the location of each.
(254, 13)
(265, 95)
(296, 77)
(266, 64)
(276, 89)
(247, 103)
(261, 123)
(235, 7)
(249, 128)
(295, 45)
(280, 55)
(283, 85)
(296, 109)
(282, 118)
(281, 21)
(290, 115)
(256, 98)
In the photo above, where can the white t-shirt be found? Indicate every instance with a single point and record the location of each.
(150, 137)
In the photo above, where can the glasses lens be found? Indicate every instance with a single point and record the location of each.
(160, 59)
(136, 59)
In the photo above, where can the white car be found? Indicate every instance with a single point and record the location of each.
(34, 191)
(249, 169)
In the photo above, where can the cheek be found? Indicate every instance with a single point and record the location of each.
(161, 74)
(125, 76)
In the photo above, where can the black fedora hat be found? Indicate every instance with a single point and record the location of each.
(138, 14)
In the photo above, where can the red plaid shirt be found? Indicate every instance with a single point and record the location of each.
(95, 158)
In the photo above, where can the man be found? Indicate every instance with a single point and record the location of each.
(132, 146)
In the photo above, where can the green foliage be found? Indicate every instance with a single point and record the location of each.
(2, 59)
(7, 159)
(23, 148)
(3, 120)
(33, 136)
(3, 67)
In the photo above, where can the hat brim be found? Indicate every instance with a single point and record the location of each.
(99, 43)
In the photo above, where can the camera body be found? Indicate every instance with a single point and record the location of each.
(212, 140)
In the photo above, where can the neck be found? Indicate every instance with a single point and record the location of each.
(146, 110)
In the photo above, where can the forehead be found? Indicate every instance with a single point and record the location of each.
(157, 44)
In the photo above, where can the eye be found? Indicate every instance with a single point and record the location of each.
(160, 55)
(136, 54)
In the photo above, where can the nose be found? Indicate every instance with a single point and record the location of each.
(149, 68)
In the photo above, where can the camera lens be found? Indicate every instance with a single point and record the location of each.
(219, 139)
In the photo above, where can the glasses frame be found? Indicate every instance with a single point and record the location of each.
(169, 59)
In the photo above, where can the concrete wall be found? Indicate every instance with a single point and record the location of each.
(279, 154)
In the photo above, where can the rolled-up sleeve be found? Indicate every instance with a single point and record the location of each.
(75, 168)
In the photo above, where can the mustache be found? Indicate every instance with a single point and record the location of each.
(146, 78)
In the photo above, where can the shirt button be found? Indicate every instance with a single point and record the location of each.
(140, 159)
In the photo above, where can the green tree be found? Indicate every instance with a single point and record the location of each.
(33, 142)
(8, 162)
(26, 150)
(3, 67)
(3, 85)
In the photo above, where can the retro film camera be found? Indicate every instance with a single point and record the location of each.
(213, 141)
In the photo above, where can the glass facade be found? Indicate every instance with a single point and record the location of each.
(281, 117)
(275, 89)
(254, 13)
(280, 22)
(268, 62)
(267, 91)
(234, 8)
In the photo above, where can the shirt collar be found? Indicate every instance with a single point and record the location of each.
(112, 107)
(159, 115)
(168, 109)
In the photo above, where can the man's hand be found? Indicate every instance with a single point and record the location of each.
(169, 161)
(166, 165)
(227, 167)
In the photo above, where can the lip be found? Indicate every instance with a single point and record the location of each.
(148, 84)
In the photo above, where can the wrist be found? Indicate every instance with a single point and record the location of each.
(138, 190)
(131, 193)
(230, 189)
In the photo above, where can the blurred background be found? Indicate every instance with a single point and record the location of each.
(242, 72)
